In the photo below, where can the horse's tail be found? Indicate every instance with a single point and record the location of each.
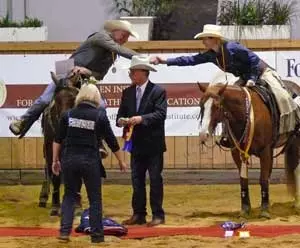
(291, 160)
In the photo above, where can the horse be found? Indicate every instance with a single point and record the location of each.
(227, 104)
(63, 99)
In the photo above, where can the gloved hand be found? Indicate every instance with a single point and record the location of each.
(250, 83)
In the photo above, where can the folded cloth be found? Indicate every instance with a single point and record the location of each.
(110, 226)
(231, 226)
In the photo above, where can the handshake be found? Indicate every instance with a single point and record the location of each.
(157, 60)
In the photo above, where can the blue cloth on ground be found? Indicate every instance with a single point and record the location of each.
(110, 226)
(231, 226)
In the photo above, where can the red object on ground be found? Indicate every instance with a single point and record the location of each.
(140, 232)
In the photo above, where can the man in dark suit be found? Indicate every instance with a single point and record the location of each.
(144, 106)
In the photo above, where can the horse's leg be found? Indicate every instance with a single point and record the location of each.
(292, 168)
(245, 200)
(266, 162)
(45, 190)
(56, 180)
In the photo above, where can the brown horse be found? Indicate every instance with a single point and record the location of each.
(64, 99)
(227, 104)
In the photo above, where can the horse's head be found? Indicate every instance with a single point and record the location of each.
(65, 93)
(211, 112)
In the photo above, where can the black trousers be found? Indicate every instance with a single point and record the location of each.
(78, 165)
(140, 164)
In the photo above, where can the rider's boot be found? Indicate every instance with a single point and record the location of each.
(20, 127)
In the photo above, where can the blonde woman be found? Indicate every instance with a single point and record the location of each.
(80, 131)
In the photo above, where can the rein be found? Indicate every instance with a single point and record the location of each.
(248, 134)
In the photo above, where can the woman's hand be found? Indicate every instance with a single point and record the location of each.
(123, 166)
(56, 167)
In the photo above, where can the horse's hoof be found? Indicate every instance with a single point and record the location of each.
(42, 204)
(244, 214)
(264, 214)
(54, 212)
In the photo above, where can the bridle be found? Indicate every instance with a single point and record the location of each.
(244, 143)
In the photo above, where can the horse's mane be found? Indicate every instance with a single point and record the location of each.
(63, 99)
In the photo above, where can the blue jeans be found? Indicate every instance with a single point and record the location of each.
(40, 103)
(82, 164)
(44, 100)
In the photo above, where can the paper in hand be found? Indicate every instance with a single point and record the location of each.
(63, 67)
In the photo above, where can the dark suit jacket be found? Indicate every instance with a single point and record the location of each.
(149, 136)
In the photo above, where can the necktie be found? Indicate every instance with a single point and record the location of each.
(138, 97)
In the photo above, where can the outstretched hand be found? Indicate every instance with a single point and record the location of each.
(157, 60)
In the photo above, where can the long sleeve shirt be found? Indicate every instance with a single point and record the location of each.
(239, 60)
(99, 52)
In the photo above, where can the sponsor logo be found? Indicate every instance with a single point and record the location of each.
(80, 123)
(293, 68)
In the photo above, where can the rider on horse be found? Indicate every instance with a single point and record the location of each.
(232, 57)
(96, 54)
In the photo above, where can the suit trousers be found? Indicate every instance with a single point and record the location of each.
(140, 164)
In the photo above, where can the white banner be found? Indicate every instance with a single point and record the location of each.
(26, 76)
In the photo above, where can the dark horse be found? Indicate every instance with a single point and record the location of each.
(64, 99)
(227, 104)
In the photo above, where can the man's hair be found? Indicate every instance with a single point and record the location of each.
(88, 93)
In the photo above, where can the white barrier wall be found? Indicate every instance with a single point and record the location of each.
(26, 76)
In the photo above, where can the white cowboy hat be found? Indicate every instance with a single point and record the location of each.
(141, 62)
(210, 30)
(120, 25)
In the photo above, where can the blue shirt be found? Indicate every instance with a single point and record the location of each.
(239, 60)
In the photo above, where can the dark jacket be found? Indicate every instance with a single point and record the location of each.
(149, 136)
(98, 53)
(239, 60)
(83, 127)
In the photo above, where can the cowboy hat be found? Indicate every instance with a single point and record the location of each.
(120, 25)
(210, 30)
(141, 62)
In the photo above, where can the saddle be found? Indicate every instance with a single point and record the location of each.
(262, 89)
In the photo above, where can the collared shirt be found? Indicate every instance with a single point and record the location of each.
(99, 52)
(239, 60)
(143, 87)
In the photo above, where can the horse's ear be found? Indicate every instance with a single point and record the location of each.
(202, 88)
(54, 77)
(221, 91)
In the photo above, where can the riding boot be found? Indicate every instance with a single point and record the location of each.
(20, 127)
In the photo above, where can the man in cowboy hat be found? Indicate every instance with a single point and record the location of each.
(232, 57)
(144, 107)
(93, 57)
